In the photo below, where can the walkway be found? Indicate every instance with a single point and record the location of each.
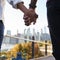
(45, 58)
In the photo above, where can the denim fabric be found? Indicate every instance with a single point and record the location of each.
(1, 32)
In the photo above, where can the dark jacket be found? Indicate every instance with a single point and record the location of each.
(19, 56)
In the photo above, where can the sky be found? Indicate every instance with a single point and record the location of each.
(14, 18)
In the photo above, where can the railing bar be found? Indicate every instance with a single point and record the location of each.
(26, 39)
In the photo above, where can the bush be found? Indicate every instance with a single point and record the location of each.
(26, 49)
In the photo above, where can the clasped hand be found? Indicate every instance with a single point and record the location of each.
(30, 17)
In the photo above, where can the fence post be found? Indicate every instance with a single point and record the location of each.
(45, 47)
(33, 47)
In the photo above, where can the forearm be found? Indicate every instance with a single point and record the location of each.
(22, 7)
(33, 4)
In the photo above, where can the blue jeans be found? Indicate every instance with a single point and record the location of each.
(1, 32)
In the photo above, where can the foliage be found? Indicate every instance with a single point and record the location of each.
(26, 49)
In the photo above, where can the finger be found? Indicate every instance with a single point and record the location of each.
(34, 21)
(36, 15)
(27, 22)
(25, 17)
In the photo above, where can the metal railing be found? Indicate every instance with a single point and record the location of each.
(45, 43)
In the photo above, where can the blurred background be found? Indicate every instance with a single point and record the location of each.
(30, 41)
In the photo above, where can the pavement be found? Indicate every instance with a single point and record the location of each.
(45, 58)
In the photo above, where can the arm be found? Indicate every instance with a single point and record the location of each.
(32, 5)
(22, 8)
(28, 20)
(18, 4)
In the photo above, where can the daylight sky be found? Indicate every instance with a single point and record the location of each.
(14, 18)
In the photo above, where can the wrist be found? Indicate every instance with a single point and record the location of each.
(32, 6)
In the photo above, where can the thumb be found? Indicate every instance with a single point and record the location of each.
(25, 17)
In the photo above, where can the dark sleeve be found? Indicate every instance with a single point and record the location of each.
(33, 4)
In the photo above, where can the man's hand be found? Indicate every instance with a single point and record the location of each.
(30, 17)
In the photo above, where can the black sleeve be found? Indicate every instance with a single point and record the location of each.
(33, 4)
